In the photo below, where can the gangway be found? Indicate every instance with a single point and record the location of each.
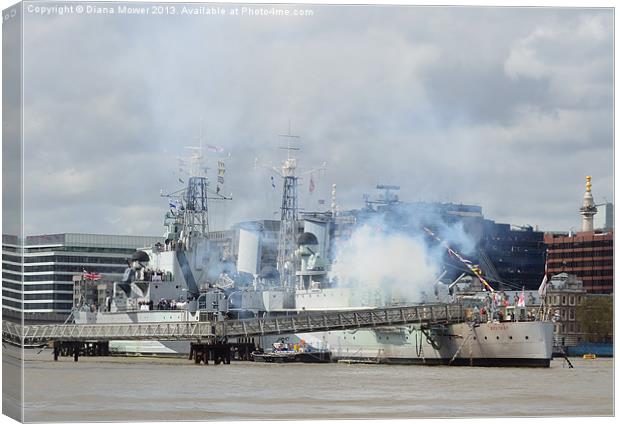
(308, 322)
(204, 332)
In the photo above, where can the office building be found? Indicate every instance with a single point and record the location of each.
(604, 218)
(588, 255)
(37, 279)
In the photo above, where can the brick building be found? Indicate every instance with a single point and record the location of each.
(588, 255)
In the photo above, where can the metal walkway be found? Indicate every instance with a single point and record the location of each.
(195, 331)
(39, 334)
(309, 322)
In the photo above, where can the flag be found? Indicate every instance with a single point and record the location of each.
(321, 201)
(91, 276)
(172, 205)
(220, 179)
(542, 290)
(215, 149)
(273, 182)
(311, 188)
(181, 181)
(521, 302)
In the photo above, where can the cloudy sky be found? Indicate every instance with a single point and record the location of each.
(506, 108)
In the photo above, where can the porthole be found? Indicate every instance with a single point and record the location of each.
(474, 337)
(485, 337)
(497, 337)
(510, 337)
(527, 337)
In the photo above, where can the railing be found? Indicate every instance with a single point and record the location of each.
(33, 334)
(202, 331)
(341, 320)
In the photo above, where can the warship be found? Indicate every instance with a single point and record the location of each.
(185, 277)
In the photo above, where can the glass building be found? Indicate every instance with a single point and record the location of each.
(37, 279)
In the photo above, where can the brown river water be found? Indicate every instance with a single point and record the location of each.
(153, 389)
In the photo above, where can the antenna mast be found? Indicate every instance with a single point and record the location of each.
(289, 215)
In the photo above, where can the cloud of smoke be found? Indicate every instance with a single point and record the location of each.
(400, 264)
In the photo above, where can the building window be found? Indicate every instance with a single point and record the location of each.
(571, 300)
(563, 300)
(571, 314)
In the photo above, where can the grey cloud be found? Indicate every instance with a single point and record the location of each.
(438, 100)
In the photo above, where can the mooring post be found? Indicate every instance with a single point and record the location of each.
(227, 354)
(76, 351)
(56, 350)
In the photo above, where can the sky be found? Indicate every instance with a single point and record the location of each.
(506, 108)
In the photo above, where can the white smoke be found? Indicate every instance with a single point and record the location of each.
(396, 257)
(398, 265)
(457, 238)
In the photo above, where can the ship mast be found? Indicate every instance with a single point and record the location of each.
(191, 218)
(289, 215)
(196, 213)
(289, 210)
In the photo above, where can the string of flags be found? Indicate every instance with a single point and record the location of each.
(475, 269)
(221, 170)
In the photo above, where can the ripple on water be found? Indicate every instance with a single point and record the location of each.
(156, 389)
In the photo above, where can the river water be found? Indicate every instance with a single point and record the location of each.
(153, 389)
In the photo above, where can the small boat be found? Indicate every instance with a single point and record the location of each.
(283, 352)
(589, 356)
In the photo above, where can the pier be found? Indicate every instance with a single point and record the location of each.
(209, 338)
